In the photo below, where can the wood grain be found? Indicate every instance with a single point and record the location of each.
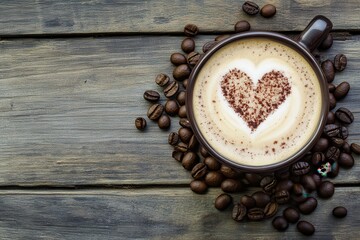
(154, 214)
(83, 17)
(67, 111)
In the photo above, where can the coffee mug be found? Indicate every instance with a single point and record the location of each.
(258, 101)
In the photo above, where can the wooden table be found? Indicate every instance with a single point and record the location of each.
(72, 164)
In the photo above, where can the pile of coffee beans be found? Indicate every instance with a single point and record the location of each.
(293, 186)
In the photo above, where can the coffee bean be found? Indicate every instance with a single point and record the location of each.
(344, 115)
(140, 123)
(255, 214)
(332, 101)
(327, 43)
(248, 201)
(332, 153)
(331, 130)
(181, 72)
(242, 26)
(331, 87)
(164, 122)
(341, 90)
(308, 183)
(344, 133)
(261, 198)
(298, 199)
(282, 197)
(253, 178)
(185, 134)
(212, 163)
(291, 214)
(151, 95)
(230, 185)
(188, 45)
(300, 168)
(184, 122)
(330, 118)
(199, 171)
(222, 37)
(284, 185)
(162, 79)
(326, 189)
(205, 153)
(308, 206)
(338, 142)
(229, 172)
(173, 138)
(305, 228)
(271, 209)
(321, 145)
(213, 179)
(182, 111)
(268, 11)
(198, 186)
(223, 201)
(329, 70)
(280, 223)
(339, 212)
(189, 160)
(171, 89)
(317, 158)
(346, 147)
(181, 97)
(177, 155)
(250, 8)
(193, 143)
(178, 59)
(346, 160)
(181, 147)
(239, 212)
(171, 107)
(340, 62)
(334, 170)
(193, 58)
(355, 148)
(209, 45)
(191, 30)
(298, 189)
(185, 83)
(155, 111)
(268, 184)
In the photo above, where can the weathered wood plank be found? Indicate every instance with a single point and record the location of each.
(154, 214)
(101, 16)
(67, 110)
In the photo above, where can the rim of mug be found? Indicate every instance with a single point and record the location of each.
(324, 108)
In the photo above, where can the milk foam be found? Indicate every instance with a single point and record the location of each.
(285, 131)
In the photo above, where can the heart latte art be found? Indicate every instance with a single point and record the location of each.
(256, 101)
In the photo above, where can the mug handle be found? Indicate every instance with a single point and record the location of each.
(315, 33)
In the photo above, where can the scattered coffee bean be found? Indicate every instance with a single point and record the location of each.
(184, 122)
(171, 89)
(282, 197)
(344, 133)
(308, 183)
(317, 179)
(177, 155)
(151, 95)
(164, 122)
(191, 30)
(250, 8)
(181, 72)
(177, 59)
(261, 198)
(327, 43)
(230, 185)
(321, 145)
(199, 171)
(253, 178)
(340, 62)
(344, 115)
(271, 209)
(189, 160)
(205, 153)
(181, 97)
(140, 123)
(181, 147)
(209, 45)
(330, 118)
(326, 189)
(242, 26)
(239, 212)
(329, 70)
(248, 201)
(305, 228)
(222, 37)
(346, 160)
(308, 206)
(291, 214)
(268, 184)
(341, 90)
(173, 138)
(185, 83)
(198, 186)
(188, 45)
(346, 147)
(285, 184)
(229, 172)
(334, 170)
(212, 163)
(355, 148)
(339, 212)
(331, 130)
(185, 134)
(298, 189)
(193, 143)
(331, 87)
(268, 11)
(223, 201)
(255, 214)
(193, 58)
(171, 107)
(162, 79)
(338, 142)
(300, 168)
(332, 153)
(332, 101)
(213, 178)
(317, 158)
(182, 111)
(155, 111)
(280, 223)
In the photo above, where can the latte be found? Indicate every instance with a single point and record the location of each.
(257, 101)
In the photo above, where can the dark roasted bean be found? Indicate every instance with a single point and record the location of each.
(300, 168)
(185, 134)
(286, 184)
(326, 189)
(346, 147)
(232, 185)
(181, 72)
(332, 153)
(346, 160)
(344, 133)
(140, 123)
(188, 45)
(339, 212)
(177, 155)
(330, 118)
(239, 212)
(248, 201)
(341, 90)
(198, 186)
(171, 107)
(291, 215)
(193, 58)
(242, 26)
(164, 122)
(171, 89)
(305, 228)
(268, 184)
(332, 101)
(331, 87)
(321, 145)
(151, 95)
(317, 158)
(250, 8)
(173, 138)
(182, 111)
(308, 206)
(280, 223)
(193, 143)
(282, 196)
(255, 214)
(308, 183)
(213, 179)
(212, 163)
(209, 45)
(329, 70)
(268, 11)
(261, 198)
(181, 97)
(155, 111)
(344, 115)
(181, 147)
(191, 30)
(271, 209)
(184, 122)
(205, 153)
(331, 130)
(199, 171)
(177, 59)
(338, 142)
(223, 201)
(229, 172)
(340, 62)
(162, 79)
(355, 148)
(189, 160)
(253, 178)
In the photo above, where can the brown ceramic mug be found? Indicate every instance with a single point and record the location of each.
(258, 101)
